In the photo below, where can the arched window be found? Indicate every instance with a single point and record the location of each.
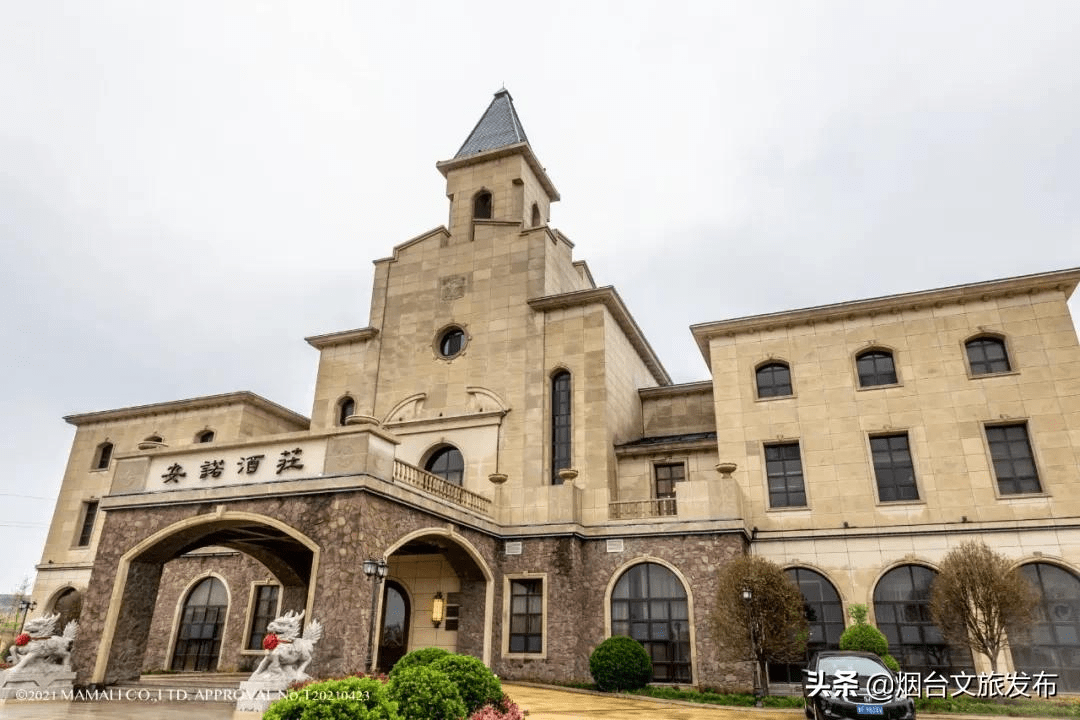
(198, 639)
(69, 604)
(205, 436)
(535, 216)
(482, 206)
(447, 463)
(875, 367)
(824, 613)
(451, 341)
(155, 438)
(773, 380)
(987, 355)
(346, 407)
(560, 424)
(902, 611)
(1053, 643)
(649, 604)
(103, 456)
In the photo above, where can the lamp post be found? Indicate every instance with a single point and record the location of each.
(25, 606)
(748, 598)
(375, 570)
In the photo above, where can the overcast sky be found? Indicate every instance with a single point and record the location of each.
(188, 189)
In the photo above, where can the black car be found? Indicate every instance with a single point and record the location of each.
(849, 684)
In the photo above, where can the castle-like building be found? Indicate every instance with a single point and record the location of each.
(503, 435)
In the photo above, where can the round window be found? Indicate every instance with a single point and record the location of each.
(451, 342)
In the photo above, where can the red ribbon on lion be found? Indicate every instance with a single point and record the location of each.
(22, 639)
(270, 642)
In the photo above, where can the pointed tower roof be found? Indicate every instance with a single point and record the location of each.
(498, 134)
(499, 127)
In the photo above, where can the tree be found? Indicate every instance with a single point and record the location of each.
(771, 625)
(977, 596)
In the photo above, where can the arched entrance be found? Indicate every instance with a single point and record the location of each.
(198, 639)
(287, 555)
(649, 604)
(429, 567)
(1053, 643)
(902, 612)
(394, 629)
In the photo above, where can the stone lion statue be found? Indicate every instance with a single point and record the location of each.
(43, 650)
(289, 653)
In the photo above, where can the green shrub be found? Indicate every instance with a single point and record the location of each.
(424, 693)
(346, 699)
(423, 656)
(475, 682)
(866, 638)
(620, 663)
(890, 662)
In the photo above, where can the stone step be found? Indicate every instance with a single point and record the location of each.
(179, 687)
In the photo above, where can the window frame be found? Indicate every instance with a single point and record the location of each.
(443, 333)
(996, 337)
(757, 379)
(340, 416)
(437, 451)
(765, 447)
(205, 436)
(507, 598)
(490, 204)
(670, 508)
(103, 456)
(1026, 425)
(911, 457)
(87, 523)
(871, 350)
(555, 446)
(252, 614)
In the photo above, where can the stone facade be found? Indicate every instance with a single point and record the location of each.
(490, 351)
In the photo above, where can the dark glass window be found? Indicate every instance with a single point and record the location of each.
(451, 342)
(1014, 463)
(1052, 644)
(902, 612)
(527, 616)
(986, 355)
(198, 642)
(773, 380)
(824, 613)
(346, 407)
(448, 464)
(560, 424)
(535, 215)
(89, 514)
(205, 437)
(104, 455)
(666, 475)
(265, 610)
(893, 468)
(649, 604)
(482, 206)
(876, 367)
(784, 473)
(453, 616)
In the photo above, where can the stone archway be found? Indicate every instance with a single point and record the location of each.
(435, 561)
(290, 556)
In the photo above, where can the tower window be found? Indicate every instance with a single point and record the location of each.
(560, 424)
(451, 342)
(89, 515)
(482, 206)
(205, 436)
(535, 216)
(104, 455)
(346, 407)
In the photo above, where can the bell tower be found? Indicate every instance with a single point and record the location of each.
(496, 178)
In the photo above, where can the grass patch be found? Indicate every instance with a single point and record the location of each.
(1009, 707)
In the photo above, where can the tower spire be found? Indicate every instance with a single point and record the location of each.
(498, 127)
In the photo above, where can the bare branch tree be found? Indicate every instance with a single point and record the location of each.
(771, 626)
(978, 597)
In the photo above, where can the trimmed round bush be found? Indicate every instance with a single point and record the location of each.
(423, 656)
(424, 693)
(475, 682)
(866, 638)
(346, 699)
(620, 663)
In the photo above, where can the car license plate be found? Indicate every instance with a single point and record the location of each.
(870, 709)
